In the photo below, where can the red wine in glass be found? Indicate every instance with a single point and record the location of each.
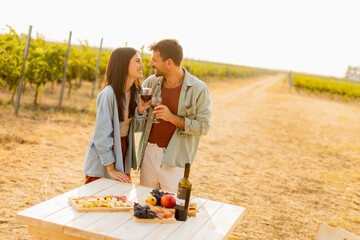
(146, 97)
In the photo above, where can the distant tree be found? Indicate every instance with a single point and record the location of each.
(104, 58)
(74, 66)
(87, 62)
(38, 71)
(11, 59)
(55, 55)
(147, 70)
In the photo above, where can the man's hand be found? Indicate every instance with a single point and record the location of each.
(122, 177)
(163, 112)
(143, 105)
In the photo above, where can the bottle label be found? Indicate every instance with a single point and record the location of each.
(180, 202)
(183, 198)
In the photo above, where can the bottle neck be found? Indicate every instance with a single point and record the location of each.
(187, 170)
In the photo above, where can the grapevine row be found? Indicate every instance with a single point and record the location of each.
(317, 84)
(45, 64)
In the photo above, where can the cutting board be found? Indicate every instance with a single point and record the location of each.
(191, 212)
(155, 220)
(129, 205)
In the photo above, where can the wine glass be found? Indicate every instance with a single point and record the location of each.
(156, 101)
(146, 94)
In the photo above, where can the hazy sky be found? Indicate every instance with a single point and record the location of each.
(312, 36)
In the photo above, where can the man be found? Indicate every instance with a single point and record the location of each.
(184, 116)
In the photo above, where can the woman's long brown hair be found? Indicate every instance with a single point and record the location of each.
(116, 75)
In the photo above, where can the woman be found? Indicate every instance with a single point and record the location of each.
(111, 151)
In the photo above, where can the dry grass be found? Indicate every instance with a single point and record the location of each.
(290, 159)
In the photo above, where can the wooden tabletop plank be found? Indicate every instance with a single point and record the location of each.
(45, 234)
(215, 220)
(221, 223)
(75, 226)
(134, 230)
(112, 221)
(193, 224)
(127, 230)
(164, 230)
(100, 229)
(57, 220)
(34, 214)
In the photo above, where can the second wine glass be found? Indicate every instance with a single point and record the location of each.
(156, 101)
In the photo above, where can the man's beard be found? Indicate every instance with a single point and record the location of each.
(157, 73)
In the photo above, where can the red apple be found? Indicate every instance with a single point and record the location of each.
(168, 201)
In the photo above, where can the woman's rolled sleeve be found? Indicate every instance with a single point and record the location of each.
(138, 123)
(107, 158)
(139, 116)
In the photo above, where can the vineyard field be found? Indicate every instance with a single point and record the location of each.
(317, 84)
(46, 60)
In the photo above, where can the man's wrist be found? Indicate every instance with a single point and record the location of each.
(173, 118)
(177, 121)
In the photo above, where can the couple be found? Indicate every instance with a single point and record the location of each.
(164, 147)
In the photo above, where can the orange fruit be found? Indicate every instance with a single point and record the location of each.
(151, 200)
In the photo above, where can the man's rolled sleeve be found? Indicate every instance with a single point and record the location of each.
(200, 123)
(186, 127)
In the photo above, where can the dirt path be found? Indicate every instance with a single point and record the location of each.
(291, 160)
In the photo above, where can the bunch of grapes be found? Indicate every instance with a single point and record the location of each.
(158, 194)
(143, 212)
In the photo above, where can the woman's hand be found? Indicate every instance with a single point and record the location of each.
(122, 177)
(143, 105)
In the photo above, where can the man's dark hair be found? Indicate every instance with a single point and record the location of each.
(168, 49)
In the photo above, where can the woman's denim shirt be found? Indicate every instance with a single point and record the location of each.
(105, 145)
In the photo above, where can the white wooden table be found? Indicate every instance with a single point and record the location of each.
(57, 219)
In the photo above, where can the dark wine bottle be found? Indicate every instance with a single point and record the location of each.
(183, 196)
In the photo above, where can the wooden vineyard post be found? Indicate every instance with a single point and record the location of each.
(65, 67)
(96, 70)
(23, 71)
